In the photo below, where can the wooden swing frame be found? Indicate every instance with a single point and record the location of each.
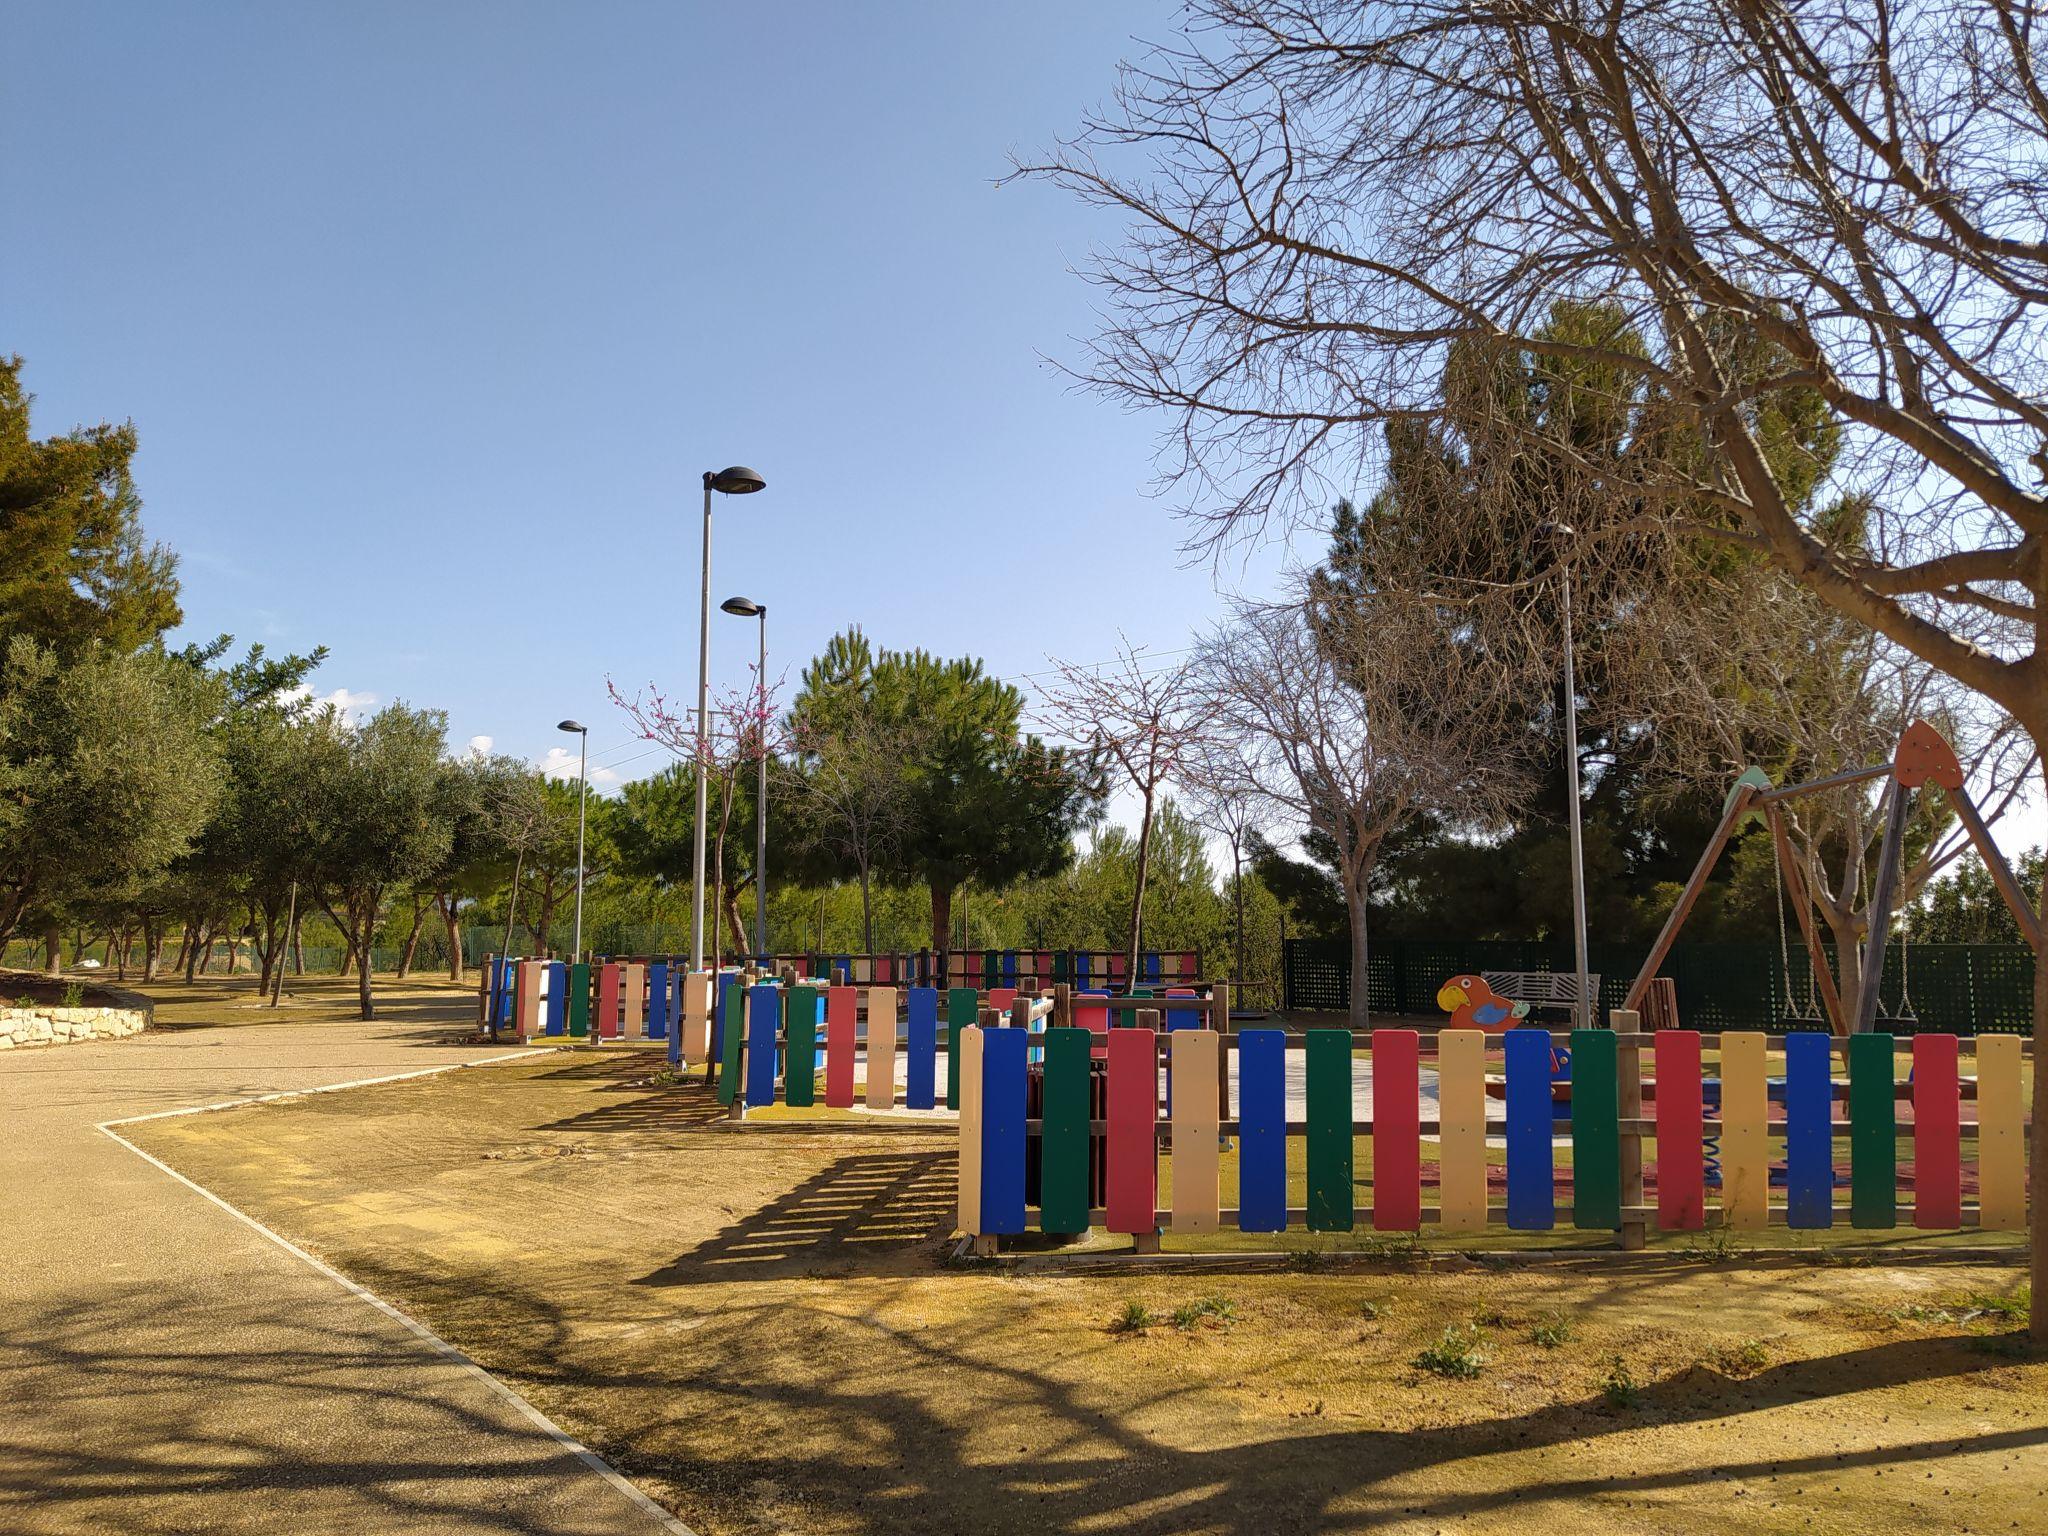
(1924, 757)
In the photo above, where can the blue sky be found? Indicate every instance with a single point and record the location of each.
(431, 316)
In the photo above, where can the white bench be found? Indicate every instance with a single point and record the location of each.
(1558, 989)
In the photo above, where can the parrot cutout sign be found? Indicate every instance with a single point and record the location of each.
(1473, 1004)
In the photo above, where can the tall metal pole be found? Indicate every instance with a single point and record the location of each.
(703, 737)
(582, 800)
(761, 805)
(1582, 1010)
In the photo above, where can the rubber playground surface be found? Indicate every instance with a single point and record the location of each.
(759, 1324)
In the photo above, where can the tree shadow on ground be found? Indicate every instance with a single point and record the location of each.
(891, 1427)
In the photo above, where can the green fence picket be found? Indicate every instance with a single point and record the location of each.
(1063, 1155)
(1873, 1133)
(735, 1002)
(800, 1046)
(1330, 1205)
(1596, 1131)
(579, 999)
(962, 1008)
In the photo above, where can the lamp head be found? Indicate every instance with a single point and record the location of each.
(572, 726)
(736, 480)
(743, 607)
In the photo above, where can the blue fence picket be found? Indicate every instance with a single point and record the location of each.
(1809, 1131)
(1262, 1130)
(1532, 1194)
(1002, 1130)
(657, 1000)
(558, 997)
(764, 1013)
(921, 1066)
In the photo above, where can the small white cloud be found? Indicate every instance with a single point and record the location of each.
(348, 702)
(561, 763)
(479, 746)
(345, 700)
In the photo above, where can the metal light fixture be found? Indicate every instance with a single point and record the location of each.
(735, 480)
(747, 608)
(582, 800)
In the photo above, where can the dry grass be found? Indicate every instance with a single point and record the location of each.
(760, 1326)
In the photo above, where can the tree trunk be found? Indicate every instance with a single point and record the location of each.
(867, 915)
(735, 926)
(2037, 1182)
(53, 951)
(1848, 963)
(546, 920)
(942, 918)
(362, 929)
(1138, 895)
(451, 924)
(1237, 894)
(412, 939)
(191, 955)
(1355, 907)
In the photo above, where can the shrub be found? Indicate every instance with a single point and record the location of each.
(1554, 1330)
(1621, 1388)
(1190, 1315)
(74, 995)
(1136, 1317)
(1455, 1354)
(1373, 1311)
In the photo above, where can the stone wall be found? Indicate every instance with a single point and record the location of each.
(50, 1024)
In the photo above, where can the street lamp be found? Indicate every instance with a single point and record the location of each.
(746, 608)
(1554, 538)
(735, 481)
(582, 799)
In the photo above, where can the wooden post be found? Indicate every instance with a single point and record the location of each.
(1628, 1061)
(1219, 1020)
(1731, 816)
(1062, 1004)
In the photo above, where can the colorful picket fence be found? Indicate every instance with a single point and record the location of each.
(604, 1002)
(779, 1041)
(992, 968)
(1770, 1148)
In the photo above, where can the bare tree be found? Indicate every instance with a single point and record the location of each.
(1353, 718)
(1144, 718)
(1843, 196)
(847, 783)
(1223, 802)
(1745, 665)
(742, 727)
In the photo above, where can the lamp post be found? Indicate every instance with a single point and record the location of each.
(1555, 536)
(738, 480)
(582, 800)
(745, 608)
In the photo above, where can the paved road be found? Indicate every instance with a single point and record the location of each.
(168, 1368)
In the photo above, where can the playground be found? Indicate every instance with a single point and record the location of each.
(780, 1341)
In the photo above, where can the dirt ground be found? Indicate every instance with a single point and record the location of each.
(759, 1325)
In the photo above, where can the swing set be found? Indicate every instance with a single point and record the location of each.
(1923, 758)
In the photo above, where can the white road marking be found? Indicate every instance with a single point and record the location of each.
(547, 1426)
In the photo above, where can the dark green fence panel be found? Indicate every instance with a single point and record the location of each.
(1959, 989)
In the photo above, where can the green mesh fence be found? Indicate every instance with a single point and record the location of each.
(1960, 989)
